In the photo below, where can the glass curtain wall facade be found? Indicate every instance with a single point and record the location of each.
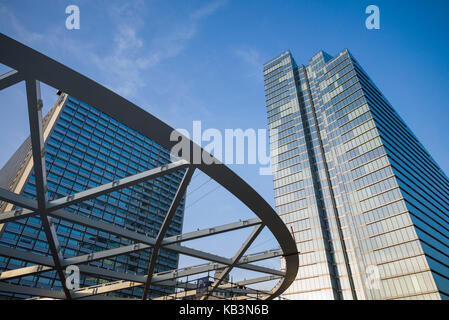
(368, 205)
(86, 148)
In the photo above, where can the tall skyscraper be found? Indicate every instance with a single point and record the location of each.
(368, 205)
(86, 148)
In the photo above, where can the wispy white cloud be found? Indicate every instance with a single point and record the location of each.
(132, 51)
(47, 41)
(253, 59)
(170, 44)
(132, 55)
(250, 56)
(9, 19)
(119, 68)
(207, 10)
(126, 38)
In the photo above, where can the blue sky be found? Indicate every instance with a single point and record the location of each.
(202, 60)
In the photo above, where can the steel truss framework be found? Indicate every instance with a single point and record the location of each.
(33, 67)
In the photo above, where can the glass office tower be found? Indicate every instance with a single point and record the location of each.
(86, 148)
(368, 205)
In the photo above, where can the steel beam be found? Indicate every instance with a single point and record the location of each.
(116, 185)
(102, 226)
(225, 286)
(83, 293)
(121, 232)
(111, 274)
(166, 242)
(235, 259)
(219, 259)
(105, 254)
(21, 272)
(212, 231)
(243, 263)
(16, 215)
(257, 296)
(126, 280)
(55, 249)
(10, 78)
(17, 199)
(104, 288)
(26, 256)
(252, 281)
(46, 264)
(32, 291)
(165, 225)
(35, 105)
(175, 274)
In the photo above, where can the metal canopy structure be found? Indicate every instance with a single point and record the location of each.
(34, 68)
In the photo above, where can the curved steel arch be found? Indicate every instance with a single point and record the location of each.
(32, 66)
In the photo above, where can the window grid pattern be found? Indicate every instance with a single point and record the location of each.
(355, 185)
